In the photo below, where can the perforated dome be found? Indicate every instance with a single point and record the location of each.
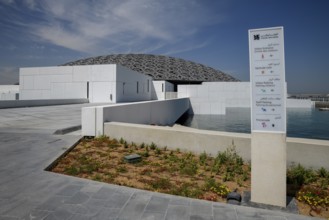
(160, 67)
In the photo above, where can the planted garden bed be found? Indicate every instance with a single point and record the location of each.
(180, 173)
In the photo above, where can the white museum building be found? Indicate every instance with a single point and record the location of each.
(108, 83)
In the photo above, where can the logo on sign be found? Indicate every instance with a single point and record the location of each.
(256, 36)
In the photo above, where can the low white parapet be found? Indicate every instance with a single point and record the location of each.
(41, 102)
(160, 112)
(307, 152)
(300, 103)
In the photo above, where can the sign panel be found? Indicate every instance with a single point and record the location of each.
(267, 76)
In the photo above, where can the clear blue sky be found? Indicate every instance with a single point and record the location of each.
(211, 32)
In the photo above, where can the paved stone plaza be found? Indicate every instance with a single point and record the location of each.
(28, 146)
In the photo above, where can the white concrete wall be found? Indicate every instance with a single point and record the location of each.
(8, 96)
(43, 102)
(307, 152)
(214, 97)
(300, 103)
(50, 83)
(127, 83)
(160, 88)
(163, 112)
(9, 92)
(99, 83)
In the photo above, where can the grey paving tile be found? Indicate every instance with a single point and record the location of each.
(2, 217)
(96, 202)
(301, 217)
(81, 209)
(80, 217)
(177, 212)
(22, 209)
(221, 212)
(201, 217)
(70, 190)
(104, 193)
(52, 203)
(78, 198)
(274, 217)
(200, 208)
(251, 213)
(7, 204)
(35, 215)
(135, 206)
(175, 200)
(106, 213)
(59, 213)
(14, 189)
(117, 200)
(79, 182)
(91, 188)
(157, 204)
(153, 216)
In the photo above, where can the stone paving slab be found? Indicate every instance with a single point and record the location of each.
(28, 146)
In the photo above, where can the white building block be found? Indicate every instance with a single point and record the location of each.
(81, 73)
(102, 92)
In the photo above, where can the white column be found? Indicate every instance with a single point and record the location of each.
(268, 168)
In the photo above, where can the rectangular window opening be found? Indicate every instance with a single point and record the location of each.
(148, 85)
(87, 90)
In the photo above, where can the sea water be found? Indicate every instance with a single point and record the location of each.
(302, 123)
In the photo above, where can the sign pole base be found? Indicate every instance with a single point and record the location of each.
(268, 168)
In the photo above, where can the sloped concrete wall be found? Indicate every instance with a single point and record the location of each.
(162, 112)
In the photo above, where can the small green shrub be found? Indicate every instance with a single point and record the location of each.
(209, 182)
(72, 170)
(299, 175)
(102, 138)
(203, 158)
(146, 153)
(157, 151)
(97, 177)
(153, 146)
(115, 141)
(122, 169)
(89, 167)
(187, 190)
(161, 183)
(322, 172)
(231, 165)
(219, 189)
(189, 169)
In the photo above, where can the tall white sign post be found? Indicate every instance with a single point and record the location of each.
(268, 116)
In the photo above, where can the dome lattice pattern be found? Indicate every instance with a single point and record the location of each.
(160, 67)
